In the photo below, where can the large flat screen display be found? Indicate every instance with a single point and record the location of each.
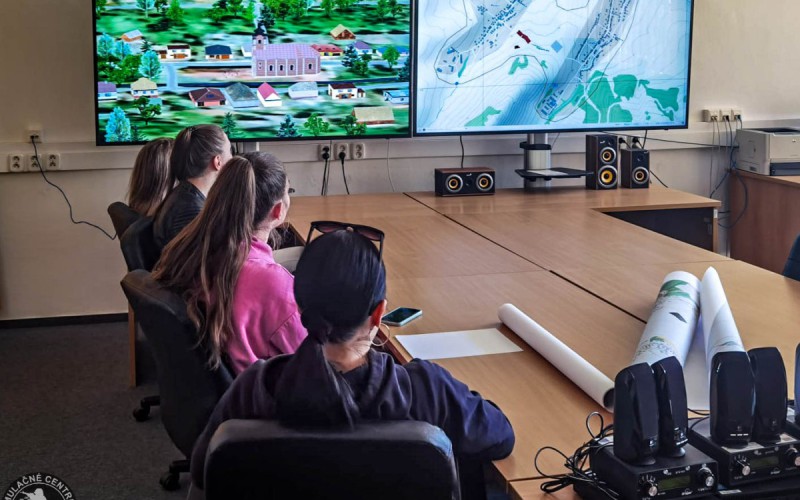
(261, 69)
(495, 66)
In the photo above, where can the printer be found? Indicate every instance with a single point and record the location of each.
(769, 151)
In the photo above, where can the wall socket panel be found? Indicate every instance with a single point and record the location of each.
(722, 115)
(358, 151)
(338, 148)
(323, 148)
(17, 162)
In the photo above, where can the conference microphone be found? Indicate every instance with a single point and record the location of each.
(673, 420)
(635, 415)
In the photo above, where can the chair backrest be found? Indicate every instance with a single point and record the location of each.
(792, 268)
(122, 216)
(188, 389)
(138, 246)
(387, 460)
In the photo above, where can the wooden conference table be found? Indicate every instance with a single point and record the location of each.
(588, 278)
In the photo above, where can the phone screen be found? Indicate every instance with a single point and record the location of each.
(400, 315)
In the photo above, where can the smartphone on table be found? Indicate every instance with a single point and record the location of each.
(401, 316)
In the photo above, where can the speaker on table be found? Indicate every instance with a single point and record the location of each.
(464, 181)
(635, 164)
(602, 155)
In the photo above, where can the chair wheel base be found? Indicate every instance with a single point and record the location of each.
(170, 481)
(141, 414)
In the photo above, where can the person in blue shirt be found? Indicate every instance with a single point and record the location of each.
(336, 378)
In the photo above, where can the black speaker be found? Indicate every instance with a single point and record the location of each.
(636, 415)
(733, 399)
(769, 374)
(464, 181)
(635, 166)
(673, 419)
(602, 153)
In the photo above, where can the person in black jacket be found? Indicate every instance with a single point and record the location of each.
(336, 379)
(198, 155)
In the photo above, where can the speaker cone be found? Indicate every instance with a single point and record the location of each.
(608, 155)
(641, 175)
(454, 183)
(484, 182)
(607, 177)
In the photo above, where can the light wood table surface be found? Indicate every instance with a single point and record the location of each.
(431, 245)
(530, 490)
(765, 305)
(344, 207)
(543, 406)
(518, 200)
(555, 239)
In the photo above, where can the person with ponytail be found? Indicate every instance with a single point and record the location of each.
(241, 300)
(197, 157)
(335, 379)
(150, 180)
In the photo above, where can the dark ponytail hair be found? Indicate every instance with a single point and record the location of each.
(194, 149)
(204, 261)
(338, 283)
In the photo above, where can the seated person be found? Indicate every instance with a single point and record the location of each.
(197, 158)
(221, 263)
(335, 378)
(150, 180)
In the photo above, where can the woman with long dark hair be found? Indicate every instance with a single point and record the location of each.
(150, 180)
(335, 378)
(240, 299)
(198, 155)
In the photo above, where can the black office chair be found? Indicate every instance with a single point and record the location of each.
(189, 390)
(122, 216)
(249, 459)
(140, 252)
(792, 268)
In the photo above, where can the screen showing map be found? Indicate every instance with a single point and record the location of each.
(260, 69)
(493, 66)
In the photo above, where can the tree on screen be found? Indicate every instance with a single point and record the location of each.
(216, 14)
(118, 128)
(105, 47)
(175, 12)
(121, 50)
(361, 65)
(316, 125)
(327, 6)
(391, 55)
(382, 8)
(266, 18)
(280, 8)
(150, 66)
(344, 4)
(100, 7)
(235, 7)
(350, 57)
(229, 125)
(250, 11)
(288, 128)
(146, 6)
(136, 134)
(146, 110)
(405, 72)
(161, 6)
(352, 127)
(127, 70)
(395, 9)
(298, 8)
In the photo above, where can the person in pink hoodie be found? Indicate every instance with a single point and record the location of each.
(241, 300)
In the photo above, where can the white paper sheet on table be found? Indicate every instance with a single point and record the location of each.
(457, 344)
(591, 380)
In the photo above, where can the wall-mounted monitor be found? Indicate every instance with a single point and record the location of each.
(261, 69)
(486, 66)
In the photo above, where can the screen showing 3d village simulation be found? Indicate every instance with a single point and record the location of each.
(260, 69)
(551, 65)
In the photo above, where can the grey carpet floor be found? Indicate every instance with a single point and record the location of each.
(65, 409)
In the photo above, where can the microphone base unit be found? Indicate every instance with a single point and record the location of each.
(755, 462)
(692, 476)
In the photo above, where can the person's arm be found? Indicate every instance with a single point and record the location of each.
(288, 337)
(477, 428)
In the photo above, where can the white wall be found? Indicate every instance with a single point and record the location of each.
(48, 267)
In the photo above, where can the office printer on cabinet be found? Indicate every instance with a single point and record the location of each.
(769, 151)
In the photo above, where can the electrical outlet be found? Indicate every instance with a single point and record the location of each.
(725, 115)
(34, 163)
(339, 148)
(36, 133)
(325, 148)
(16, 162)
(51, 161)
(736, 114)
(358, 151)
(710, 115)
